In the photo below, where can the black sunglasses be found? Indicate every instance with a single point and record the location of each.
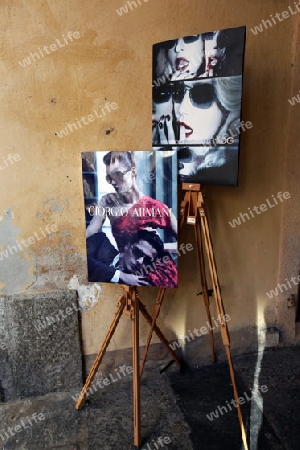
(119, 175)
(164, 92)
(138, 254)
(202, 95)
(187, 40)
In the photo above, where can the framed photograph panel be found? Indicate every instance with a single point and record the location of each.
(197, 97)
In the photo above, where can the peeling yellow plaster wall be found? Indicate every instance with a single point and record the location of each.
(111, 61)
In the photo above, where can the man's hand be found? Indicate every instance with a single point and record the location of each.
(132, 280)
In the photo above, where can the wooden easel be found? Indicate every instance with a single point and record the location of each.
(130, 304)
(193, 213)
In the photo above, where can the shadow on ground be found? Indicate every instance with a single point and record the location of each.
(204, 396)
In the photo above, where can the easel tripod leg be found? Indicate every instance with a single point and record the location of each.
(97, 362)
(157, 307)
(236, 397)
(159, 334)
(136, 374)
(205, 295)
(193, 207)
(189, 213)
(220, 309)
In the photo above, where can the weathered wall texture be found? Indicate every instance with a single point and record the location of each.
(289, 245)
(111, 61)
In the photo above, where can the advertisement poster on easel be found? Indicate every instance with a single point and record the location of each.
(130, 200)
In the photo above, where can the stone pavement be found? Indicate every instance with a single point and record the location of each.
(105, 422)
(272, 417)
(175, 407)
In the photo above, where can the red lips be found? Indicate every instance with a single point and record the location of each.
(181, 64)
(188, 130)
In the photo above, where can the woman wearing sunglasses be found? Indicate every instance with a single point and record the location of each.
(203, 112)
(121, 206)
(208, 111)
(186, 57)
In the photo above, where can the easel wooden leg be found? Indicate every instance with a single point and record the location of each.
(159, 334)
(189, 210)
(236, 398)
(109, 335)
(192, 208)
(156, 311)
(204, 287)
(220, 308)
(136, 373)
(153, 327)
(131, 302)
(130, 305)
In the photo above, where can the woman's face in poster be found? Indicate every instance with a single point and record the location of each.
(198, 113)
(186, 56)
(120, 176)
